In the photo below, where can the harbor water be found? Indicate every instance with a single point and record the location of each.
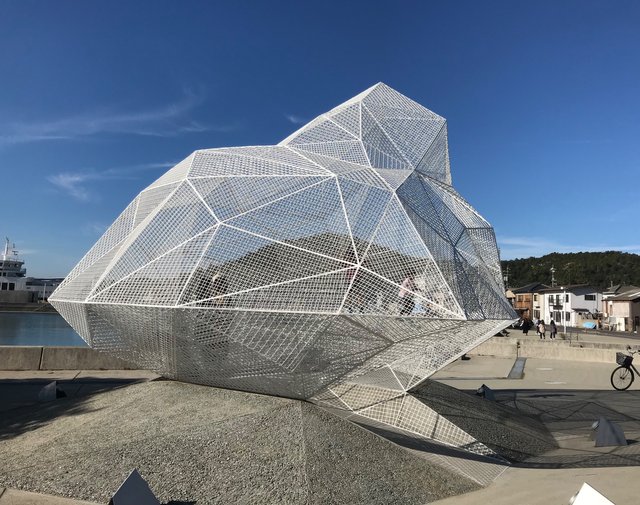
(33, 328)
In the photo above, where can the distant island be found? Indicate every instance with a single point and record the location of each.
(599, 269)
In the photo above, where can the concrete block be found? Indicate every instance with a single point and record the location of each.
(80, 358)
(20, 357)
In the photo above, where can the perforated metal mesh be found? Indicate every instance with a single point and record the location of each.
(339, 266)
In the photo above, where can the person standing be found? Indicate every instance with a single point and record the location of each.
(553, 329)
(406, 295)
(526, 326)
(542, 329)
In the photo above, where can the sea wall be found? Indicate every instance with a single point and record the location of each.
(18, 297)
(6, 306)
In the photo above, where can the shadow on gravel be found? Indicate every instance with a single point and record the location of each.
(20, 410)
(538, 428)
(410, 441)
(570, 416)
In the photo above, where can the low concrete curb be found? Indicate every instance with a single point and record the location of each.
(20, 358)
(82, 358)
(504, 347)
(58, 358)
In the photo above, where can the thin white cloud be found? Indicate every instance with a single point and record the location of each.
(92, 229)
(166, 121)
(76, 184)
(526, 247)
(72, 184)
(295, 119)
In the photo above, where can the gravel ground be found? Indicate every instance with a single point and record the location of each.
(208, 445)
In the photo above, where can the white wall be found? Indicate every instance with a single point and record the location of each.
(575, 301)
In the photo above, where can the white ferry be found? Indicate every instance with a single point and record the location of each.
(15, 286)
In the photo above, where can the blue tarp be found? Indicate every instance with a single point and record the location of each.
(591, 326)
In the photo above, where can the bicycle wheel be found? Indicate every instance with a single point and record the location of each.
(621, 378)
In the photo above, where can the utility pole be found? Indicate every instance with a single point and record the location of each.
(564, 313)
(506, 278)
(553, 279)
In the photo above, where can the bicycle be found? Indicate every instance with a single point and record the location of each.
(622, 377)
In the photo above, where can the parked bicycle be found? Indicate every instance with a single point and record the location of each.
(622, 377)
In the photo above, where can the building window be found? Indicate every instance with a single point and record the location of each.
(590, 297)
(4, 286)
(12, 286)
(567, 316)
(535, 298)
(566, 298)
(536, 314)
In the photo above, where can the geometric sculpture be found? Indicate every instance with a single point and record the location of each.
(589, 496)
(608, 433)
(339, 266)
(134, 491)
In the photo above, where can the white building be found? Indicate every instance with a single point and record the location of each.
(42, 288)
(13, 287)
(571, 305)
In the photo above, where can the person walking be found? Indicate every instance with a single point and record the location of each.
(553, 328)
(542, 330)
(526, 326)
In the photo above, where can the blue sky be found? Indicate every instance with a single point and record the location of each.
(98, 99)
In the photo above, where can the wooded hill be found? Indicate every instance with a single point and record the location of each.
(599, 269)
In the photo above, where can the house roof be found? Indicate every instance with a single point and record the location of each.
(571, 288)
(619, 288)
(534, 287)
(629, 295)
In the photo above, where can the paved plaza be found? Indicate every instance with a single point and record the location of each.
(567, 397)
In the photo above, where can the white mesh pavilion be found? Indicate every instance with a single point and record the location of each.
(279, 269)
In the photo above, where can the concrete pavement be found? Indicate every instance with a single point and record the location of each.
(568, 395)
(581, 386)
